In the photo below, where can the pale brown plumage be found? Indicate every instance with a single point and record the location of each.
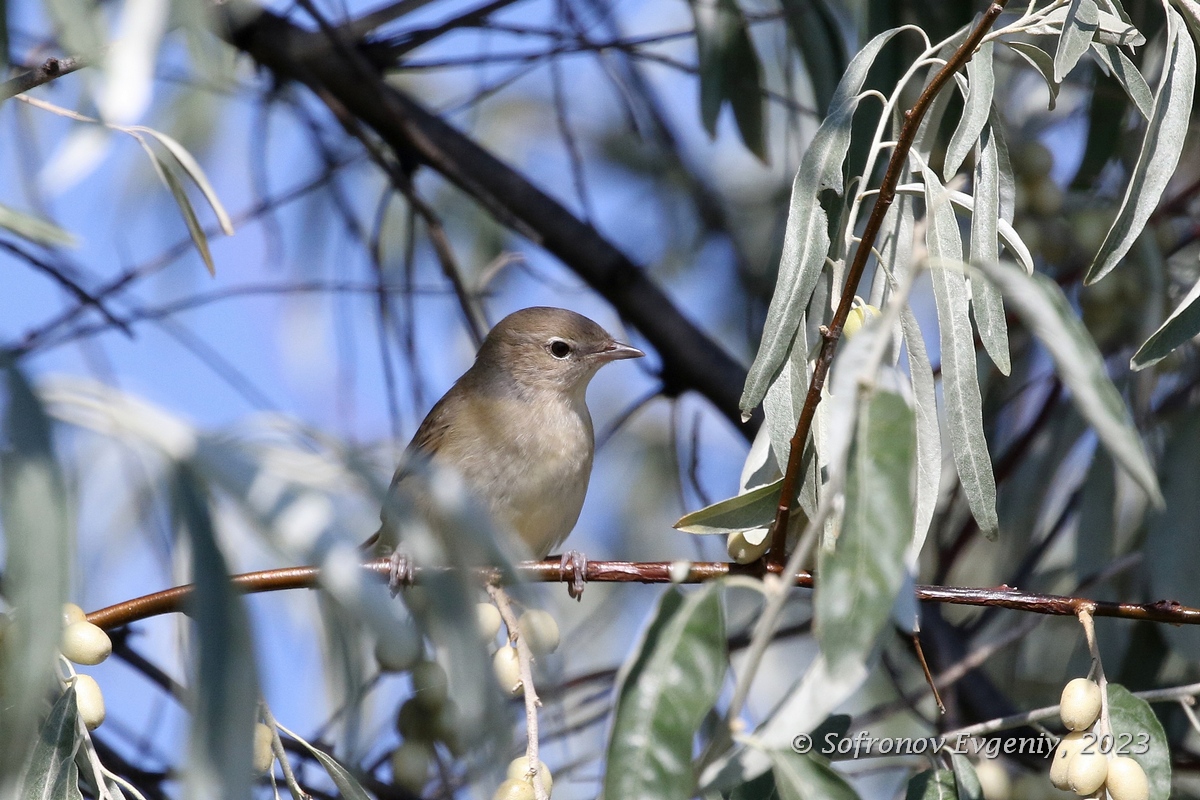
(516, 428)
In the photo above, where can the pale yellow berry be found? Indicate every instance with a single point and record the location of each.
(400, 649)
(488, 618)
(415, 722)
(446, 726)
(1126, 780)
(518, 769)
(1045, 197)
(1079, 706)
(743, 550)
(264, 757)
(1086, 772)
(1071, 744)
(72, 613)
(90, 701)
(1033, 160)
(410, 765)
(508, 670)
(993, 780)
(540, 631)
(85, 643)
(431, 687)
(859, 315)
(514, 790)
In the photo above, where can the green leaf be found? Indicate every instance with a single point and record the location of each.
(784, 400)
(807, 777)
(194, 171)
(670, 682)
(928, 430)
(981, 80)
(38, 542)
(1097, 518)
(1041, 61)
(225, 702)
(1111, 28)
(960, 381)
(52, 774)
(1171, 545)
(985, 300)
(1004, 229)
(806, 238)
(1079, 27)
(1180, 327)
(729, 71)
(166, 173)
(1132, 716)
(1045, 310)
(347, 785)
(1165, 135)
(34, 229)
(932, 784)
(863, 572)
(1126, 73)
(965, 779)
(754, 509)
(819, 41)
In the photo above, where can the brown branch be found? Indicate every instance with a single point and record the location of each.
(887, 193)
(551, 571)
(51, 69)
(691, 360)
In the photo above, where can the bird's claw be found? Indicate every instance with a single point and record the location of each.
(574, 572)
(401, 574)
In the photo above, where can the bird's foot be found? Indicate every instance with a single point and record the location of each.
(574, 571)
(401, 574)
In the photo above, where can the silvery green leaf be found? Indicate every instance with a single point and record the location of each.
(863, 572)
(166, 173)
(1180, 327)
(664, 690)
(1118, 65)
(806, 238)
(1111, 28)
(814, 29)
(929, 435)
(1161, 147)
(347, 785)
(965, 779)
(785, 397)
(225, 701)
(985, 300)
(754, 509)
(932, 784)
(1049, 316)
(1004, 229)
(729, 70)
(1078, 28)
(194, 171)
(1134, 720)
(1097, 519)
(51, 773)
(801, 777)
(981, 78)
(38, 543)
(960, 381)
(1041, 61)
(35, 229)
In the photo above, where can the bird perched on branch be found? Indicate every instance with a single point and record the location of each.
(516, 428)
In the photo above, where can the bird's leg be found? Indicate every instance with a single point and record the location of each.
(574, 570)
(401, 574)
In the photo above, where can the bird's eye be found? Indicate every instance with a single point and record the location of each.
(560, 349)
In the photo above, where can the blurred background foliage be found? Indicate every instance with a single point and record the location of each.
(282, 389)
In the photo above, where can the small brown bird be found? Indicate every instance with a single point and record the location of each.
(517, 430)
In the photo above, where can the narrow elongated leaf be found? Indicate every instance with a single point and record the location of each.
(1004, 229)
(985, 300)
(928, 432)
(1127, 74)
(819, 41)
(1180, 327)
(864, 571)
(1132, 717)
(1097, 519)
(1080, 25)
(194, 171)
(1043, 308)
(960, 381)
(37, 552)
(52, 774)
(729, 70)
(1161, 147)
(754, 509)
(166, 173)
(785, 398)
(981, 78)
(801, 777)
(1172, 546)
(806, 238)
(34, 229)
(221, 740)
(1111, 28)
(1041, 61)
(347, 785)
(665, 689)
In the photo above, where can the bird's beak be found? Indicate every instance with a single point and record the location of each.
(615, 351)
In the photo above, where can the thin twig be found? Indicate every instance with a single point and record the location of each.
(831, 334)
(50, 69)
